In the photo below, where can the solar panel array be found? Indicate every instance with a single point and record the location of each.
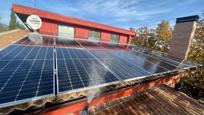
(25, 72)
(27, 69)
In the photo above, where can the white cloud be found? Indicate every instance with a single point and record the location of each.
(119, 10)
(114, 12)
(122, 10)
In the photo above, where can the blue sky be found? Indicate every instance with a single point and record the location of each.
(120, 13)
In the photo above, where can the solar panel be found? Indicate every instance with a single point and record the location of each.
(34, 70)
(90, 64)
(78, 69)
(26, 73)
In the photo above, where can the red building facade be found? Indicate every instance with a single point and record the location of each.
(57, 24)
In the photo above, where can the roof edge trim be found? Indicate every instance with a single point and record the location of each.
(67, 19)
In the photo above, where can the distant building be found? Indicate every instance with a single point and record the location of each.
(70, 27)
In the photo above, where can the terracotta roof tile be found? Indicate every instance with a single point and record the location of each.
(10, 37)
(156, 101)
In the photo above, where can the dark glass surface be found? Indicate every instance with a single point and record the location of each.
(27, 68)
(84, 64)
(78, 69)
(25, 72)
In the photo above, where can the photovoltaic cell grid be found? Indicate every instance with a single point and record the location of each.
(27, 67)
(25, 72)
(92, 64)
(78, 69)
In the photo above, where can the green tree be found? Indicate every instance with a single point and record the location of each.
(164, 30)
(196, 53)
(164, 34)
(195, 83)
(152, 39)
(145, 37)
(0, 25)
(142, 34)
(20, 26)
(2, 28)
(13, 22)
(156, 39)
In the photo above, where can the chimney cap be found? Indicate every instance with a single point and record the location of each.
(187, 19)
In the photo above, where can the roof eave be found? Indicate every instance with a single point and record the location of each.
(61, 18)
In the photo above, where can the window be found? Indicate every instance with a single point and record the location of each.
(114, 39)
(66, 32)
(94, 35)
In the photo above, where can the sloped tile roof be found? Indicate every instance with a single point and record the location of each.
(161, 100)
(7, 38)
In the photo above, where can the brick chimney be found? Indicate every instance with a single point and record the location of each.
(182, 36)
